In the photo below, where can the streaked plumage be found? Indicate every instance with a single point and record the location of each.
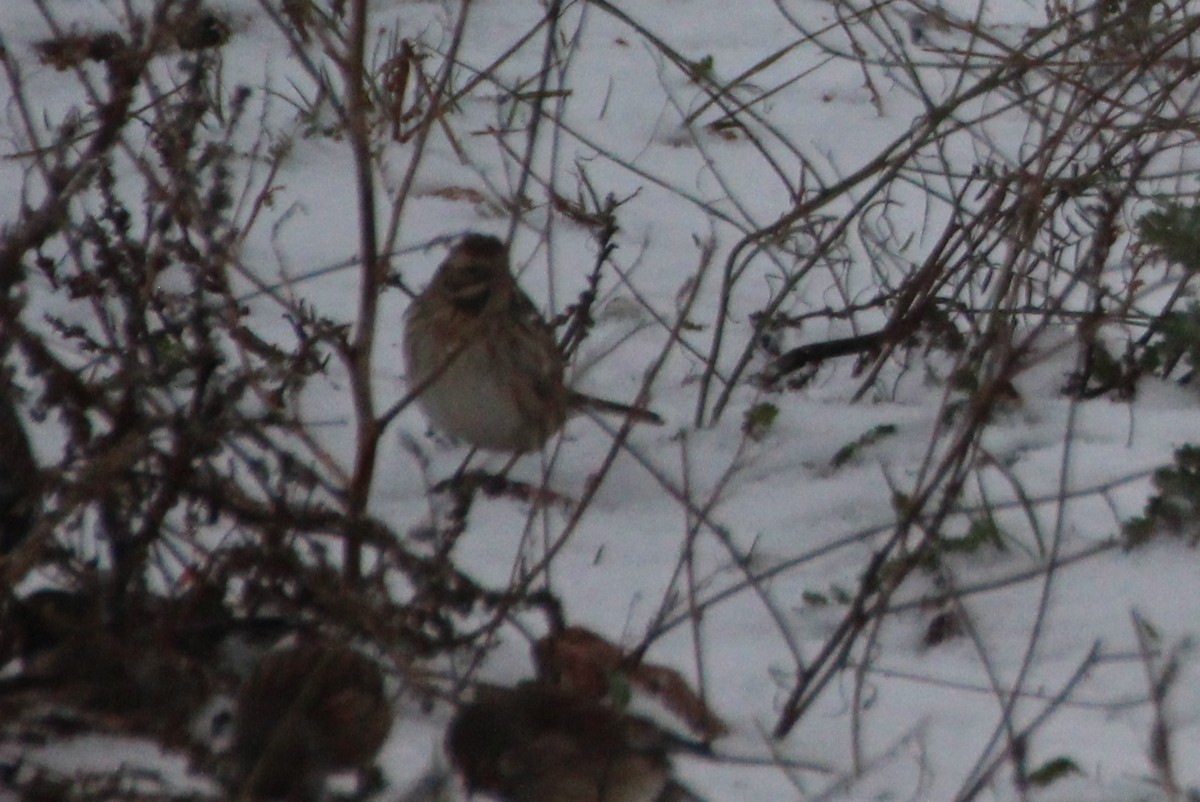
(488, 365)
(484, 362)
(308, 710)
(537, 743)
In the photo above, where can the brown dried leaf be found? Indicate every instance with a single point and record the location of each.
(585, 662)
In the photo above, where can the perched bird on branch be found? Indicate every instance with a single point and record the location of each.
(483, 361)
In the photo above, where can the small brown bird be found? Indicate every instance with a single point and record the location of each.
(307, 711)
(484, 361)
(537, 743)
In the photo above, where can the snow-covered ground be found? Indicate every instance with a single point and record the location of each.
(769, 531)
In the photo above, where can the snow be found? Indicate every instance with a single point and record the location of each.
(776, 505)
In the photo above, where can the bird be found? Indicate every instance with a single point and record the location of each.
(483, 362)
(539, 743)
(309, 709)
